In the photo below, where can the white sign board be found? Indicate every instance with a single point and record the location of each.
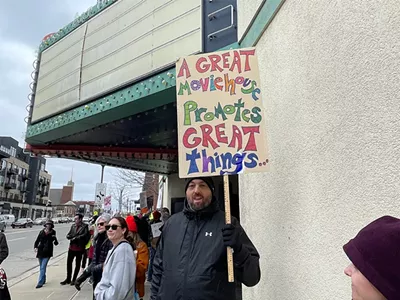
(155, 229)
(101, 189)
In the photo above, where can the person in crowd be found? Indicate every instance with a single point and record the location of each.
(78, 237)
(142, 256)
(91, 251)
(375, 261)
(191, 259)
(101, 245)
(43, 247)
(165, 214)
(153, 244)
(143, 229)
(3, 247)
(118, 280)
(85, 257)
(4, 292)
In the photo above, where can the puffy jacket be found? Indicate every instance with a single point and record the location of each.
(191, 262)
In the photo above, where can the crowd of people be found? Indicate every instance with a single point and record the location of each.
(112, 245)
(184, 256)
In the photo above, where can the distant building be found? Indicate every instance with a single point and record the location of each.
(61, 199)
(24, 182)
(85, 207)
(149, 194)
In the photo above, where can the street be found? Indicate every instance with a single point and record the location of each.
(21, 256)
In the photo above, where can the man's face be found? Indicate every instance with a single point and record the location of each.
(77, 220)
(198, 194)
(361, 288)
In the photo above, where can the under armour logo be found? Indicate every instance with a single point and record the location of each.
(208, 233)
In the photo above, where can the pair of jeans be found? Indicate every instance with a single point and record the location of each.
(150, 270)
(43, 261)
(70, 258)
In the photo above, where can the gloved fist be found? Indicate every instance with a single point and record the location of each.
(231, 238)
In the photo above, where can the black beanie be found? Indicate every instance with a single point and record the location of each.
(207, 180)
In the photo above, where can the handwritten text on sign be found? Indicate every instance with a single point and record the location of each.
(220, 114)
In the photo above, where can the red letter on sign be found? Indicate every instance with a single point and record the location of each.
(236, 135)
(215, 59)
(251, 142)
(184, 67)
(247, 62)
(220, 133)
(187, 134)
(206, 131)
(202, 68)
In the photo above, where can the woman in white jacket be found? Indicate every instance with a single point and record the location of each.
(118, 279)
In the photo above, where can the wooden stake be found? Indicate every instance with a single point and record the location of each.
(229, 252)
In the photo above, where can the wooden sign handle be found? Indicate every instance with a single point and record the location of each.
(229, 252)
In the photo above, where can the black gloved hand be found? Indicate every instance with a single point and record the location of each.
(231, 238)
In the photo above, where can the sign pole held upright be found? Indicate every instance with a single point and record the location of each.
(221, 120)
(229, 253)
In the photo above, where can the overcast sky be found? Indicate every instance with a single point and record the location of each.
(23, 24)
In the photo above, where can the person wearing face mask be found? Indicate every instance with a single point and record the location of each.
(43, 247)
(101, 245)
(191, 260)
(375, 257)
(118, 280)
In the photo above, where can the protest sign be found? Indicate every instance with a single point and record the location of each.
(221, 126)
(155, 229)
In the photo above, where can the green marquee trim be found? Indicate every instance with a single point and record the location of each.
(260, 22)
(141, 90)
(90, 13)
(141, 96)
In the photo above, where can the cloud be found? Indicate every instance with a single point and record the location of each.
(19, 40)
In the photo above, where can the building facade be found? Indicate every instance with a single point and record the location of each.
(24, 182)
(149, 194)
(330, 85)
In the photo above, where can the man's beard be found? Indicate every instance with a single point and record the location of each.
(199, 206)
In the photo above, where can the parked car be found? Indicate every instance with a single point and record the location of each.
(22, 223)
(64, 220)
(9, 219)
(56, 220)
(39, 221)
(3, 224)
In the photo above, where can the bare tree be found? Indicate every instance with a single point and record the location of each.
(136, 179)
(126, 186)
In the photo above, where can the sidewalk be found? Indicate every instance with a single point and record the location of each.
(24, 288)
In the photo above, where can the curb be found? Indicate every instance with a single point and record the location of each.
(32, 271)
(77, 292)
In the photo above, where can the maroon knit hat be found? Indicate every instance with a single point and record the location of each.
(375, 251)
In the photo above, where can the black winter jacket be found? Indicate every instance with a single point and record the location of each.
(3, 247)
(79, 238)
(191, 262)
(44, 243)
(101, 245)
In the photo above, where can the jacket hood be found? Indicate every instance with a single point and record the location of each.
(203, 213)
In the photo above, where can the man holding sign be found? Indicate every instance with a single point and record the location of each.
(191, 257)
